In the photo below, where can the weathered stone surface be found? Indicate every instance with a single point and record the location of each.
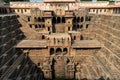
(59, 27)
(108, 34)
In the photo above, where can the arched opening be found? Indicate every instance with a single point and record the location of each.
(48, 39)
(81, 37)
(43, 37)
(58, 50)
(35, 19)
(48, 28)
(68, 28)
(52, 51)
(89, 19)
(0, 11)
(30, 26)
(39, 19)
(74, 19)
(78, 19)
(69, 22)
(17, 10)
(87, 26)
(36, 26)
(74, 37)
(43, 26)
(81, 26)
(63, 19)
(68, 39)
(5, 10)
(25, 10)
(39, 26)
(65, 50)
(82, 19)
(43, 20)
(104, 10)
(54, 20)
(38, 64)
(96, 11)
(48, 22)
(21, 10)
(74, 27)
(28, 19)
(12, 10)
(58, 19)
(78, 26)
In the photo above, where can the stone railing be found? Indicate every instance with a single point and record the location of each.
(72, 6)
(93, 4)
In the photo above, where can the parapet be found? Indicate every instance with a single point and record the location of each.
(59, 1)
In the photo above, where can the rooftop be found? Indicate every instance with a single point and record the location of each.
(87, 44)
(59, 35)
(74, 32)
(31, 44)
(59, 0)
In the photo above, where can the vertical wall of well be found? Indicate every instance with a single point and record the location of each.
(106, 29)
(14, 64)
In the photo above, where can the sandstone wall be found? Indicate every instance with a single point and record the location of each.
(106, 29)
(14, 64)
